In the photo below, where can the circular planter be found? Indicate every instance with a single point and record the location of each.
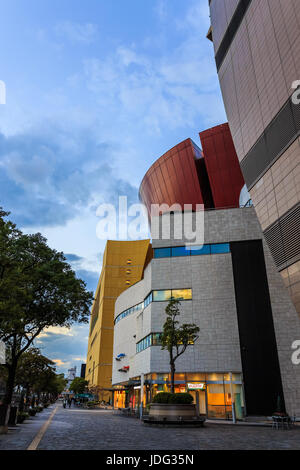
(170, 411)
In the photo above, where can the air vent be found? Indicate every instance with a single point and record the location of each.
(283, 238)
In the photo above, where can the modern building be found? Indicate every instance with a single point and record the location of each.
(257, 52)
(231, 289)
(123, 265)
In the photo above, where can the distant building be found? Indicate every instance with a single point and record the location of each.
(70, 377)
(82, 371)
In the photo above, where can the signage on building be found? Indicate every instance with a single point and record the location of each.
(195, 386)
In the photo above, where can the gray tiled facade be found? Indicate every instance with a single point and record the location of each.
(212, 308)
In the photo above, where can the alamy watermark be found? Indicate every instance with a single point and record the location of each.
(132, 222)
(2, 92)
(296, 353)
(296, 94)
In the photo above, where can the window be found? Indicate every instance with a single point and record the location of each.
(162, 252)
(129, 261)
(220, 248)
(182, 294)
(154, 339)
(148, 300)
(161, 295)
(180, 251)
(200, 250)
(192, 250)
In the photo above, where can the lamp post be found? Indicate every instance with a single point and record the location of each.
(142, 395)
(232, 399)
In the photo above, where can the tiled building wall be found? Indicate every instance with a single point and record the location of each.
(256, 79)
(260, 67)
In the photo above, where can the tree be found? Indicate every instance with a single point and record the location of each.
(175, 339)
(38, 289)
(34, 373)
(78, 385)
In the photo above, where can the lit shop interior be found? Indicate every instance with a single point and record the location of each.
(213, 393)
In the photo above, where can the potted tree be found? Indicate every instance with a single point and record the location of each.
(175, 339)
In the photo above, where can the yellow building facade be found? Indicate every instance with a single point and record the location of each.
(123, 265)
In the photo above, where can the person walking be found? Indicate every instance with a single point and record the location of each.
(69, 402)
(64, 402)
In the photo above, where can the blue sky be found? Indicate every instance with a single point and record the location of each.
(96, 92)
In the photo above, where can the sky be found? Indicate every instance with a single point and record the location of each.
(96, 91)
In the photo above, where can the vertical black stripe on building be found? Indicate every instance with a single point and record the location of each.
(261, 370)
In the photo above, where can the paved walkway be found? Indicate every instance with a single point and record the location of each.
(72, 429)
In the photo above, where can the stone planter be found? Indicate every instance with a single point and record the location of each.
(4, 416)
(12, 421)
(172, 412)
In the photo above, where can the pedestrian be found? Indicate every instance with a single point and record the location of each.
(69, 402)
(64, 402)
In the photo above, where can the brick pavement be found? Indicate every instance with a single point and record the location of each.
(95, 430)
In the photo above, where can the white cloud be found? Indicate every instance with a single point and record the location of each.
(56, 330)
(84, 33)
(59, 362)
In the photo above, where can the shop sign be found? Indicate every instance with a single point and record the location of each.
(195, 386)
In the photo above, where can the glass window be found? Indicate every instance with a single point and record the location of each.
(162, 252)
(200, 250)
(180, 251)
(220, 248)
(182, 294)
(148, 300)
(161, 295)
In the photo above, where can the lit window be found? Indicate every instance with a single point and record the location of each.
(127, 282)
(182, 294)
(129, 261)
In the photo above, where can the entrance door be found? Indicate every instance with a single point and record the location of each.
(200, 400)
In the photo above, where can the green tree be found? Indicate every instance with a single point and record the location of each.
(79, 385)
(175, 339)
(34, 373)
(38, 289)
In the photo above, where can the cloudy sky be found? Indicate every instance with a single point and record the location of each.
(96, 92)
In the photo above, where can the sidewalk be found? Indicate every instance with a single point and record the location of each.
(19, 437)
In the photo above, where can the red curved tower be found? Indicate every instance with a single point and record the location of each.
(187, 175)
(223, 168)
